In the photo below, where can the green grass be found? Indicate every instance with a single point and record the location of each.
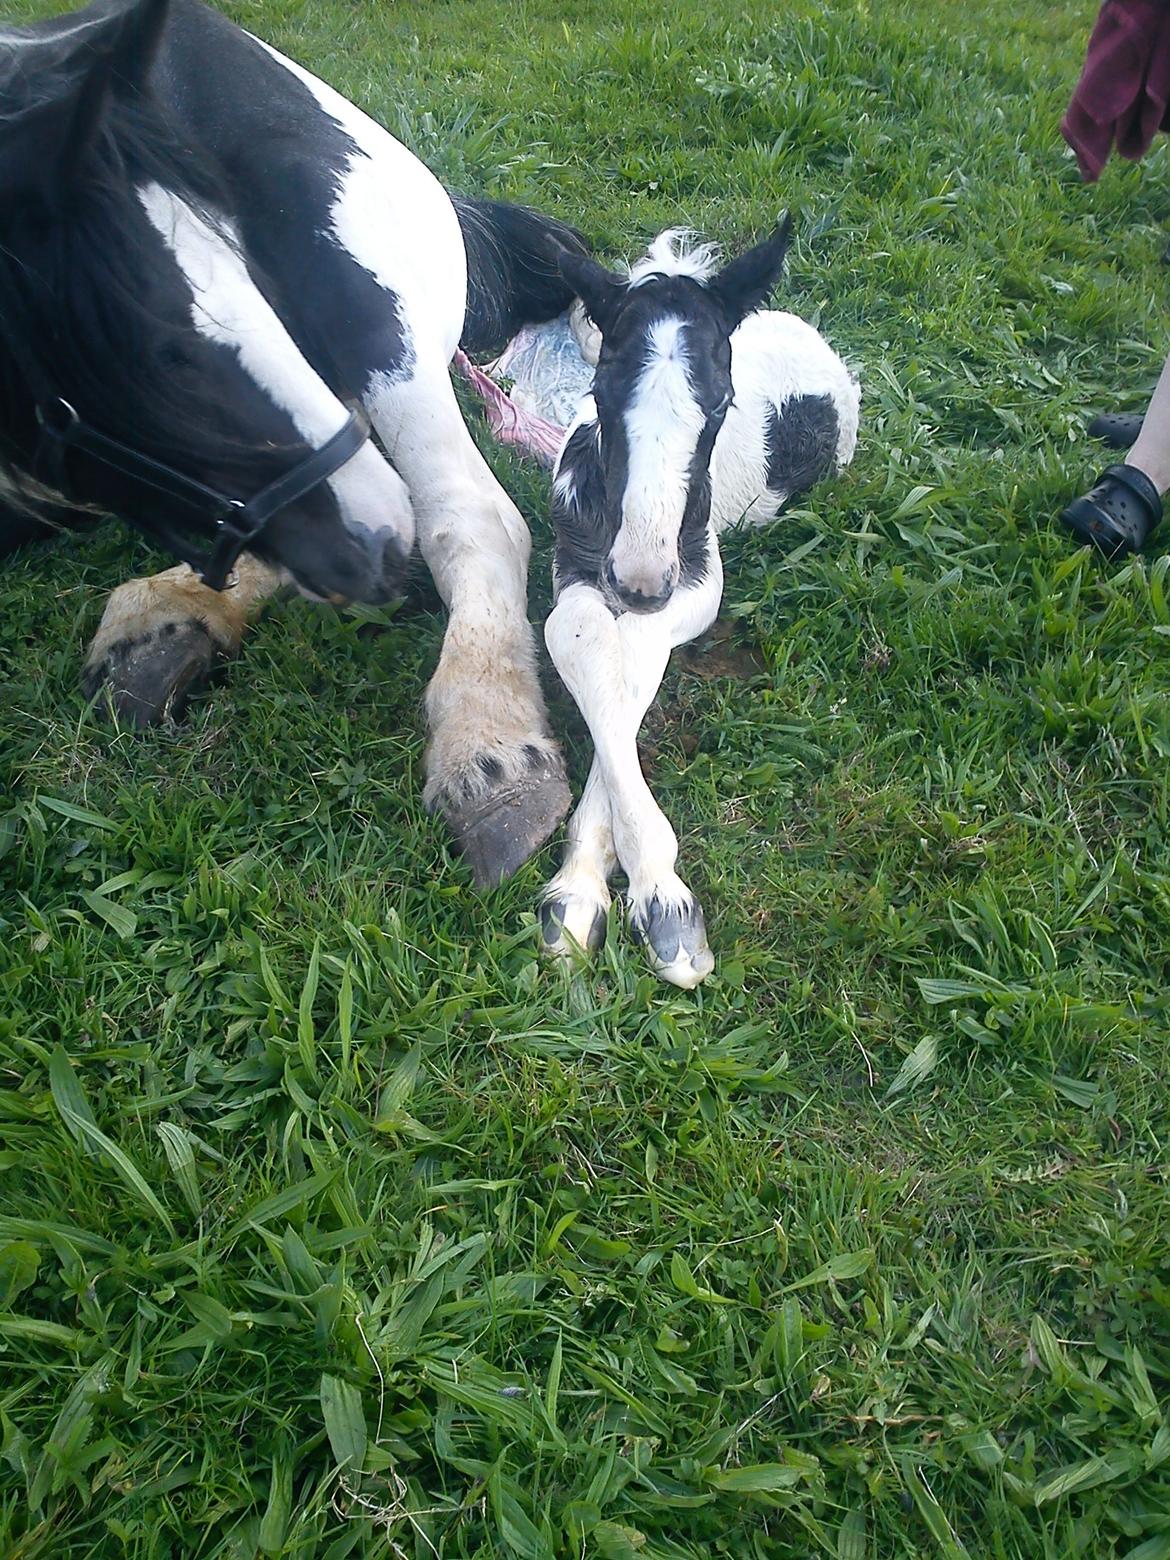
(332, 1223)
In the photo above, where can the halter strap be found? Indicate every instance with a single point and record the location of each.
(236, 521)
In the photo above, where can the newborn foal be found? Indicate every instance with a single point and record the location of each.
(703, 413)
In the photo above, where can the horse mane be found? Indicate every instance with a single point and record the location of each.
(676, 252)
(75, 311)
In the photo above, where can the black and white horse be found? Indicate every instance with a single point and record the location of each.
(703, 414)
(213, 270)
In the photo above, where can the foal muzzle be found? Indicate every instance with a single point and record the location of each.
(640, 596)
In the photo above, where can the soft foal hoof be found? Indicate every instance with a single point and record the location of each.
(675, 939)
(151, 677)
(571, 924)
(498, 830)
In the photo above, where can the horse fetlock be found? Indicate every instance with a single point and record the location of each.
(674, 934)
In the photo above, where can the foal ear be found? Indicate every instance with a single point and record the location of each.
(598, 289)
(42, 147)
(745, 283)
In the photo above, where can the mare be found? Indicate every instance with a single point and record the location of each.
(706, 411)
(216, 274)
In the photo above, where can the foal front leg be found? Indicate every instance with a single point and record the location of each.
(576, 902)
(161, 637)
(493, 768)
(613, 668)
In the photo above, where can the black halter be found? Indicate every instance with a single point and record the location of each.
(236, 521)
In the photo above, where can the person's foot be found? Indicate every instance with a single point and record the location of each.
(1117, 429)
(1118, 513)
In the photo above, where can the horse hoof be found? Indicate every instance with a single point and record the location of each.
(151, 677)
(572, 924)
(675, 939)
(499, 830)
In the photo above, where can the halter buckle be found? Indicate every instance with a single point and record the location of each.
(232, 507)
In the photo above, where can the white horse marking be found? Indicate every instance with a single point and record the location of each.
(228, 308)
(613, 668)
(675, 253)
(323, 231)
(484, 701)
(663, 424)
(386, 193)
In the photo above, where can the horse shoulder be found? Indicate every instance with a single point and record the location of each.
(392, 215)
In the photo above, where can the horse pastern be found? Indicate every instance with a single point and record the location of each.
(561, 925)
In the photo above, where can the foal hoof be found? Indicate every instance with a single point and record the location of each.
(572, 924)
(497, 831)
(675, 939)
(151, 677)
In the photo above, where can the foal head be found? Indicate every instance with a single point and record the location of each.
(124, 293)
(662, 389)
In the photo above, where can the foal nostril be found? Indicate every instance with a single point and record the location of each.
(634, 596)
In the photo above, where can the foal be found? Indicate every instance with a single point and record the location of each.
(703, 413)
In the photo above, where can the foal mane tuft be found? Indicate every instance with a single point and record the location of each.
(677, 252)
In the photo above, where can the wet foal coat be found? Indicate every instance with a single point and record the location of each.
(704, 414)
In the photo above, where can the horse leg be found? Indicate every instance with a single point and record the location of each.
(493, 768)
(576, 902)
(160, 637)
(613, 668)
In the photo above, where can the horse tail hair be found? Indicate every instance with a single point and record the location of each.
(512, 275)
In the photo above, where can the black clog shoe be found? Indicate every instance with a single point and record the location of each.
(1118, 514)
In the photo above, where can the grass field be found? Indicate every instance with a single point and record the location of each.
(334, 1224)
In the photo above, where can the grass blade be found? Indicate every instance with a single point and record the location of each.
(69, 1098)
(850, 1264)
(345, 1422)
(181, 1156)
(306, 1036)
(918, 1065)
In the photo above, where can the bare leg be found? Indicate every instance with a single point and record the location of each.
(493, 768)
(161, 636)
(613, 668)
(1151, 451)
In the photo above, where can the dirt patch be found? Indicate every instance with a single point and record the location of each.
(716, 654)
